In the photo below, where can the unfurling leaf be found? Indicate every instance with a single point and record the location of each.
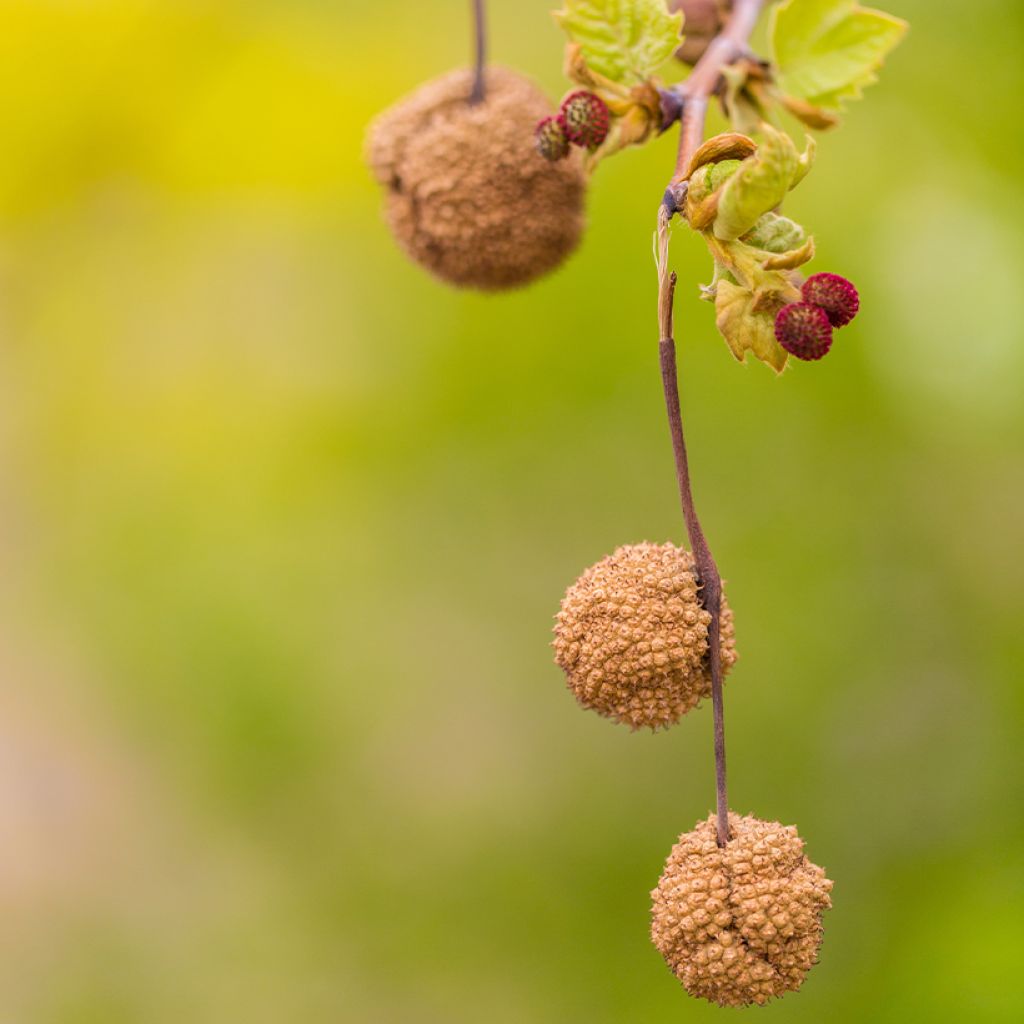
(623, 40)
(827, 51)
(792, 258)
(748, 324)
(759, 184)
(775, 233)
(751, 285)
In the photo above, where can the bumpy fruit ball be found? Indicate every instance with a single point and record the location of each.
(552, 142)
(834, 294)
(632, 636)
(803, 330)
(468, 195)
(740, 924)
(585, 119)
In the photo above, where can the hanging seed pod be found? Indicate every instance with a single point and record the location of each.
(467, 194)
(632, 636)
(740, 924)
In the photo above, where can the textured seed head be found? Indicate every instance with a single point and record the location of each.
(803, 330)
(835, 295)
(586, 119)
(552, 142)
(467, 195)
(740, 924)
(632, 636)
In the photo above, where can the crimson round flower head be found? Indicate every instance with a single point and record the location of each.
(586, 119)
(803, 330)
(835, 295)
(552, 142)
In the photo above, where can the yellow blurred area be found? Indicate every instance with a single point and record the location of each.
(284, 523)
(187, 97)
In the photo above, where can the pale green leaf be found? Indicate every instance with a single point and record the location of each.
(757, 186)
(827, 51)
(624, 40)
(776, 234)
(747, 328)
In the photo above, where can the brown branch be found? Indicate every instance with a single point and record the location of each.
(480, 54)
(695, 93)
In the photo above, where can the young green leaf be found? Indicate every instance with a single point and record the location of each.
(775, 233)
(827, 51)
(746, 327)
(759, 184)
(624, 40)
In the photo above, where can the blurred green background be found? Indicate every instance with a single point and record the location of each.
(284, 523)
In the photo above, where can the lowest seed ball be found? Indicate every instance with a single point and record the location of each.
(632, 636)
(740, 924)
(468, 196)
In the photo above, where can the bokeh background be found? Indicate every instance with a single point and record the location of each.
(284, 523)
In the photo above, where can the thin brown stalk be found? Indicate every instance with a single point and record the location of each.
(480, 52)
(695, 94)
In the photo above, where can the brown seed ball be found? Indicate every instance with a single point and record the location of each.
(632, 637)
(468, 196)
(741, 924)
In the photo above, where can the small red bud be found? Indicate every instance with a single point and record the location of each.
(550, 137)
(803, 330)
(586, 119)
(835, 295)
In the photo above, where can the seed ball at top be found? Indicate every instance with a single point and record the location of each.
(632, 636)
(740, 924)
(467, 194)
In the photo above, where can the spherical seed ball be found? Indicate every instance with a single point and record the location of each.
(468, 195)
(740, 924)
(632, 636)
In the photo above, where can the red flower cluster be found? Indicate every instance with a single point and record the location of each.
(581, 121)
(804, 329)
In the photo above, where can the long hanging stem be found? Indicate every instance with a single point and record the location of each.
(707, 571)
(480, 60)
(693, 96)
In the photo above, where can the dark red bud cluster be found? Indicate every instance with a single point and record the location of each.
(586, 119)
(552, 142)
(582, 121)
(804, 329)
